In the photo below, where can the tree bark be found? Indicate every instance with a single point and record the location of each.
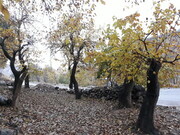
(125, 96)
(145, 120)
(27, 81)
(17, 88)
(73, 81)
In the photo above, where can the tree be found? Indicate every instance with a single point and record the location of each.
(161, 49)
(72, 36)
(14, 46)
(157, 46)
(116, 60)
(150, 48)
(23, 21)
(18, 74)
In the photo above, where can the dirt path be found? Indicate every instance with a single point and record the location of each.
(56, 113)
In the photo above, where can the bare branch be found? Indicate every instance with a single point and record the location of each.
(148, 35)
(172, 62)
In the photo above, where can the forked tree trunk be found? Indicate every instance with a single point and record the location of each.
(17, 88)
(19, 75)
(145, 120)
(125, 97)
(73, 81)
(27, 81)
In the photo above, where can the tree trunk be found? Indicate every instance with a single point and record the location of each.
(125, 97)
(76, 89)
(27, 81)
(145, 120)
(73, 81)
(16, 76)
(17, 88)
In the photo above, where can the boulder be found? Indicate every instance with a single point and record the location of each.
(4, 101)
(56, 88)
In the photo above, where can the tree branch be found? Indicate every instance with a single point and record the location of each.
(4, 49)
(80, 49)
(172, 62)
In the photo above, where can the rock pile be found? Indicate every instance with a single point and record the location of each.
(45, 87)
(109, 93)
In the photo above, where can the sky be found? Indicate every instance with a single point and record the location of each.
(118, 8)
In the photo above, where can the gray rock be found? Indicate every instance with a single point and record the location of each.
(4, 101)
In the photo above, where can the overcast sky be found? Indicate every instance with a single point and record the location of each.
(116, 8)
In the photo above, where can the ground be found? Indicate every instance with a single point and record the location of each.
(53, 112)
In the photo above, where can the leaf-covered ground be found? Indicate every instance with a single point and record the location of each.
(58, 113)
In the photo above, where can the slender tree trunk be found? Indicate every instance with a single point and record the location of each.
(71, 80)
(76, 89)
(145, 120)
(27, 81)
(17, 88)
(15, 83)
(74, 81)
(125, 97)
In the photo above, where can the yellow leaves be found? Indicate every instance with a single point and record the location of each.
(102, 2)
(129, 77)
(128, 45)
(7, 33)
(67, 41)
(4, 11)
(93, 6)
(139, 28)
(119, 23)
(164, 20)
(17, 0)
(163, 27)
